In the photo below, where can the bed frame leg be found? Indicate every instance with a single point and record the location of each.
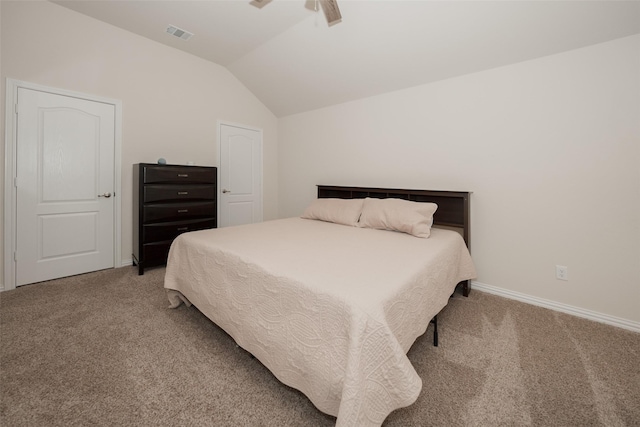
(435, 330)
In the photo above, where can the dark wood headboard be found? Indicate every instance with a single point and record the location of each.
(453, 206)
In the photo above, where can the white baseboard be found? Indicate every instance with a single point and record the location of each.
(553, 305)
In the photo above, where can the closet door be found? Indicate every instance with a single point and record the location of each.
(240, 186)
(65, 186)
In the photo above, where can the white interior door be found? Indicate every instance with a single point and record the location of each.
(240, 197)
(65, 186)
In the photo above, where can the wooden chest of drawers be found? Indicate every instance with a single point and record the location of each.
(169, 200)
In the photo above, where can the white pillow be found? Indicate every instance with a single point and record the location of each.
(415, 218)
(340, 211)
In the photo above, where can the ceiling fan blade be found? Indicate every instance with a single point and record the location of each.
(331, 11)
(259, 3)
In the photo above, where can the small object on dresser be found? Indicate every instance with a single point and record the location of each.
(162, 161)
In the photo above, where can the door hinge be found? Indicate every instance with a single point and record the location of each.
(15, 108)
(15, 182)
(15, 256)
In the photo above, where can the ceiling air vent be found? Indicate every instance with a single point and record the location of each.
(182, 34)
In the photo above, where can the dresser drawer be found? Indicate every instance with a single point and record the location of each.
(156, 253)
(178, 174)
(169, 231)
(172, 193)
(178, 212)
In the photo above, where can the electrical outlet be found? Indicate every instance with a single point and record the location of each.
(562, 272)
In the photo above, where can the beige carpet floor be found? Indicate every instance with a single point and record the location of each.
(103, 349)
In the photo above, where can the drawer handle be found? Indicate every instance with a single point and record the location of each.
(183, 175)
(183, 228)
(182, 193)
(183, 210)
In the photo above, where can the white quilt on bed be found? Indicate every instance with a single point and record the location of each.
(330, 309)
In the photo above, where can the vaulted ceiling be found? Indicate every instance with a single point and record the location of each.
(288, 56)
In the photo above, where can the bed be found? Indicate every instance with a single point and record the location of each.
(330, 308)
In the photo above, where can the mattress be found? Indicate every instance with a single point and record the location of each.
(329, 309)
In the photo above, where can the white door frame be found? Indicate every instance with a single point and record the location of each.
(219, 134)
(10, 163)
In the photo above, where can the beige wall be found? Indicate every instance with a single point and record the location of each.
(549, 147)
(171, 101)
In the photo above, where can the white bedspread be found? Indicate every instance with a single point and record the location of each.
(330, 309)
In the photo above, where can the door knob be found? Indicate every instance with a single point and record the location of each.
(105, 195)
(226, 191)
